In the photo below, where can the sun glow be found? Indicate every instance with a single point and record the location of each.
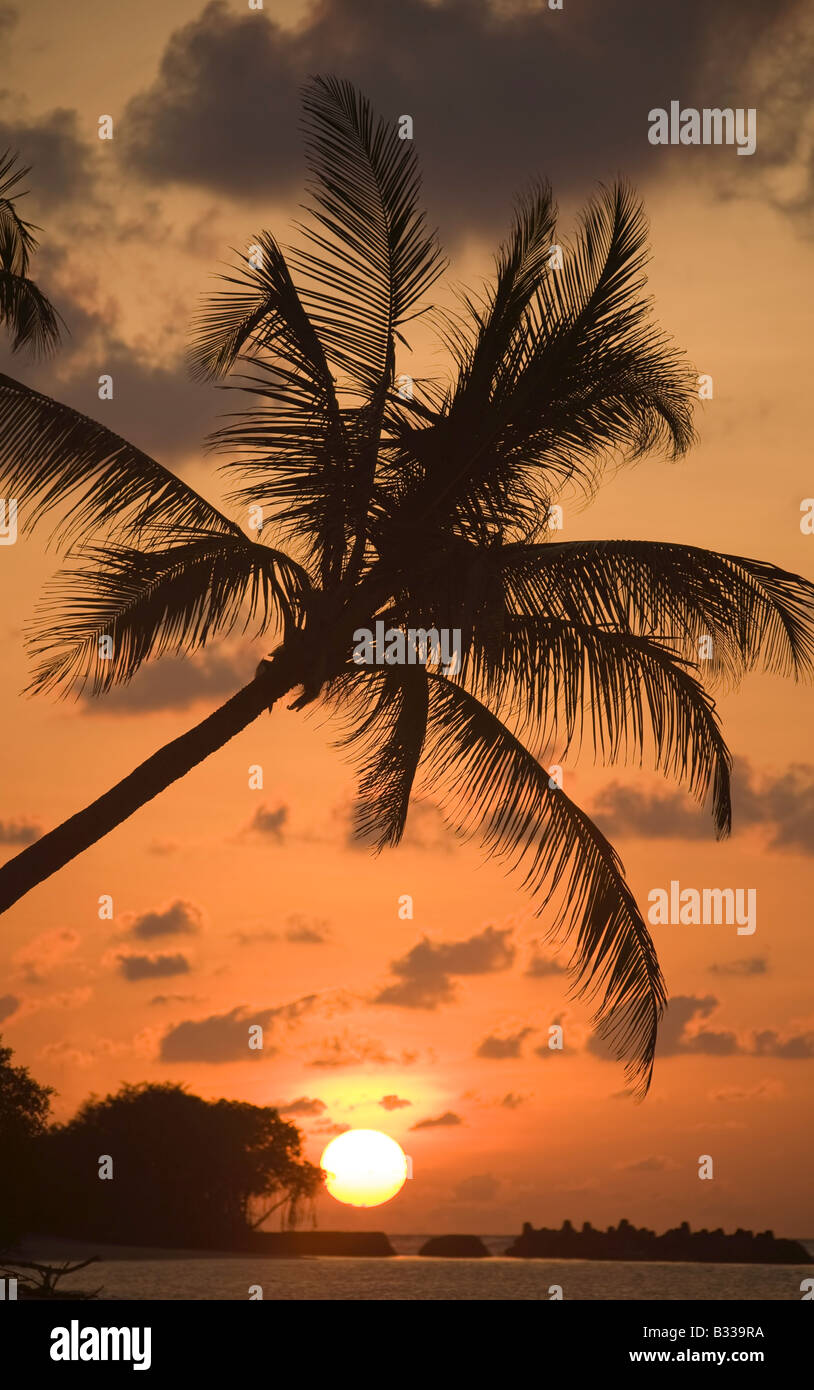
(364, 1167)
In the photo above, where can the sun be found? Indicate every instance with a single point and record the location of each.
(364, 1167)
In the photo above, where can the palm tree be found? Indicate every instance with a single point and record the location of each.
(31, 319)
(425, 508)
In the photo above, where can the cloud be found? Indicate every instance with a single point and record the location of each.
(781, 803)
(270, 822)
(327, 1126)
(750, 965)
(303, 933)
(539, 966)
(654, 1164)
(501, 1049)
(675, 1039)
(173, 683)
(19, 832)
(394, 1103)
(798, 1048)
(439, 1121)
(621, 810)
(511, 1100)
(425, 829)
(223, 111)
(180, 918)
(225, 1037)
(344, 1050)
(175, 999)
(764, 1090)
(61, 167)
(784, 803)
(303, 1106)
(425, 971)
(47, 950)
(479, 1188)
(9, 1004)
(152, 967)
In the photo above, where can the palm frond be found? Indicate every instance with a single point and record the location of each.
(17, 240)
(756, 614)
(385, 717)
(52, 456)
(153, 602)
(31, 317)
(561, 678)
(579, 378)
(487, 783)
(372, 257)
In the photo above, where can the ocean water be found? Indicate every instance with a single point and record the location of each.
(409, 1276)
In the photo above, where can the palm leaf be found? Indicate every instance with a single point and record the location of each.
(372, 258)
(155, 602)
(488, 784)
(385, 716)
(557, 677)
(756, 613)
(53, 456)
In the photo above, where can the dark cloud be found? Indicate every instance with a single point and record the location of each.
(152, 967)
(439, 1121)
(621, 810)
(511, 1101)
(501, 1049)
(9, 1004)
(798, 1048)
(174, 683)
(539, 966)
(219, 1038)
(19, 832)
(304, 933)
(179, 919)
(782, 803)
(424, 974)
(481, 1187)
(491, 92)
(304, 1106)
(425, 829)
(51, 145)
(269, 822)
(394, 1103)
(674, 1039)
(750, 965)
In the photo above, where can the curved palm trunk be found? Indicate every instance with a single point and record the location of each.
(48, 854)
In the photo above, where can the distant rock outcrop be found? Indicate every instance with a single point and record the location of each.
(319, 1243)
(626, 1242)
(455, 1247)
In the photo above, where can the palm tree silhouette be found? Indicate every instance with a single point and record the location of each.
(426, 506)
(30, 318)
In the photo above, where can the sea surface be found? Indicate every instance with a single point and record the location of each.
(409, 1276)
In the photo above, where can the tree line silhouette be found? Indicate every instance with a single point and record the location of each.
(184, 1171)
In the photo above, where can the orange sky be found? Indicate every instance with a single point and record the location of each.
(522, 1136)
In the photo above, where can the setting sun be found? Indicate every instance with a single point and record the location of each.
(364, 1167)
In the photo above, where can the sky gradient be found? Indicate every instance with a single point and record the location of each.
(234, 905)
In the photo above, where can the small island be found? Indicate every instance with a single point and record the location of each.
(626, 1242)
(455, 1247)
